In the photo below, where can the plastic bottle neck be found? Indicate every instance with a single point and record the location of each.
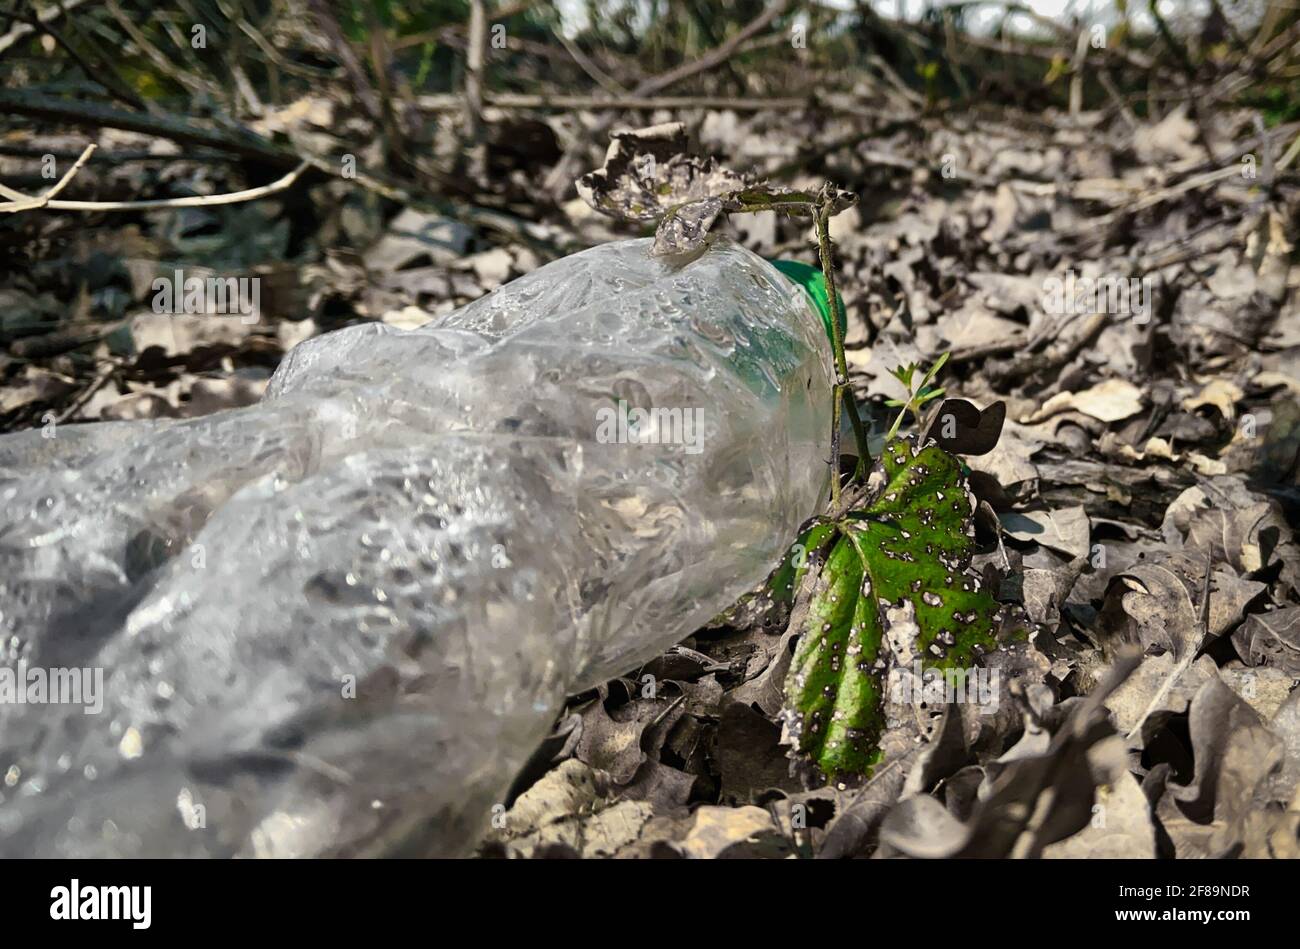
(814, 284)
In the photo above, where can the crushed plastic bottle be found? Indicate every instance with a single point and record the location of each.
(338, 622)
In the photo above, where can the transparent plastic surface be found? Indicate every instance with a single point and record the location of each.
(337, 622)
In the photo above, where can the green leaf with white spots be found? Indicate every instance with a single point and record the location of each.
(895, 590)
(804, 554)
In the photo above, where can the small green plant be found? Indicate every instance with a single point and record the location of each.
(918, 395)
(885, 583)
(882, 583)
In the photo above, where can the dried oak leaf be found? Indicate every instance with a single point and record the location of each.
(1159, 604)
(1039, 795)
(1224, 518)
(750, 757)
(648, 175)
(617, 741)
(1271, 639)
(962, 429)
(1234, 753)
(1126, 829)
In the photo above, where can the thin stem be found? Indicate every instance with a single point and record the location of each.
(893, 429)
(837, 400)
(844, 393)
(837, 347)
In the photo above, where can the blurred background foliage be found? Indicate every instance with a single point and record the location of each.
(952, 53)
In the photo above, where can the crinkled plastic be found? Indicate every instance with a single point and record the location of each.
(337, 622)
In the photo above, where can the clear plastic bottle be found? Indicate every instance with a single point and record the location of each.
(338, 621)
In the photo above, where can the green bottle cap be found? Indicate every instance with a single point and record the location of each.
(814, 284)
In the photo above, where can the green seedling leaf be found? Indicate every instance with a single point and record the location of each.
(904, 374)
(934, 370)
(918, 396)
(895, 590)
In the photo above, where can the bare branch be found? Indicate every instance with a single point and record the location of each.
(196, 201)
